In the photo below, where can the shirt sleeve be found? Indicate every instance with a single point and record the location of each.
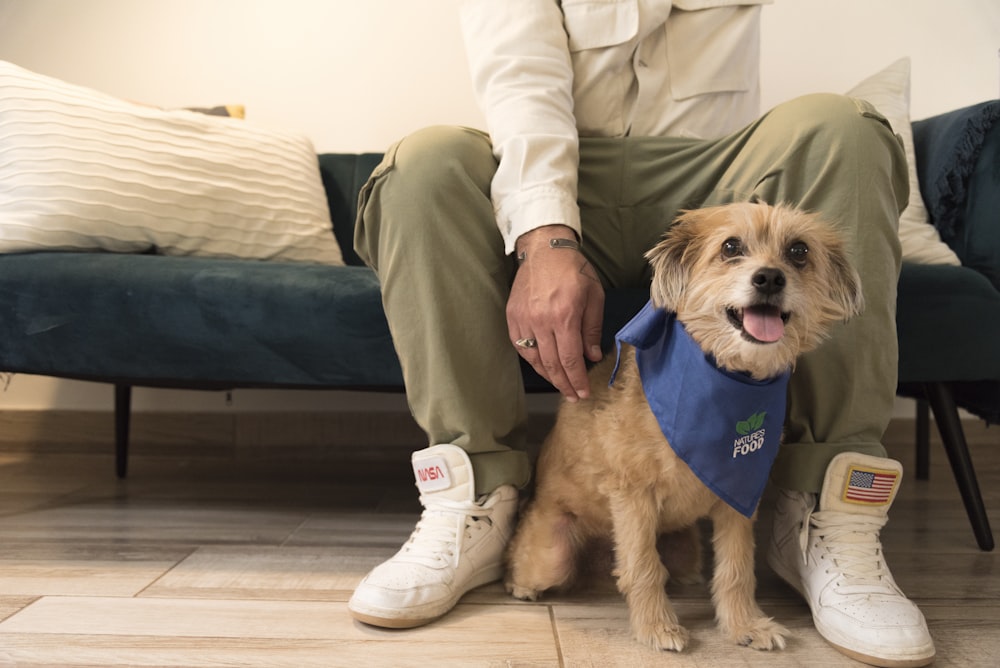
(522, 75)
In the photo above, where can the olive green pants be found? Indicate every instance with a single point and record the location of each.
(426, 225)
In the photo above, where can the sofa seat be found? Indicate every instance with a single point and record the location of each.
(938, 305)
(194, 322)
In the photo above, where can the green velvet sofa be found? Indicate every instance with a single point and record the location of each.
(186, 322)
(948, 318)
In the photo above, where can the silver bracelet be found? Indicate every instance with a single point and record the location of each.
(558, 242)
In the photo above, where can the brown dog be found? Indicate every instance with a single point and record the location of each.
(754, 286)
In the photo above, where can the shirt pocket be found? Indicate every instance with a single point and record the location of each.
(713, 46)
(595, 24)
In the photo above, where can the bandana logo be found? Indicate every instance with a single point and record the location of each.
(751, 435)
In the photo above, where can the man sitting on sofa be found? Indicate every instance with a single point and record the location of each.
(605, 120)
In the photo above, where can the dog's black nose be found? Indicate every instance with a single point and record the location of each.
(769, 280)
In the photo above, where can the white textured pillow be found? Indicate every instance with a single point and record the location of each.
(889, 91)
(81, 170)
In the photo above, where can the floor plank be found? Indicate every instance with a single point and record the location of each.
(190, 632)
(322, 574)
(78, 577)
(600, 636)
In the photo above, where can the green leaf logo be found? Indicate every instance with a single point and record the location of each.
(751, 424)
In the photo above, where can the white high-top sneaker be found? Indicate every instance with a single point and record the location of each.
(457, 545)
(831, 553)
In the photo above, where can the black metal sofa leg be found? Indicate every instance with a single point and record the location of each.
(923, 440)
(123, 412)
(950, 425)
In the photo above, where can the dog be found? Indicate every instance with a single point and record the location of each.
(754, 286)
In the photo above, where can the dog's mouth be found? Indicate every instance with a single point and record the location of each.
(760, 323)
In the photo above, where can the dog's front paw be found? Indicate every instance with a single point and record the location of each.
(663, 637)
(519, 592)
(762, 633)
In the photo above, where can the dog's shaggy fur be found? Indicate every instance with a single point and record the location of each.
(605, 470)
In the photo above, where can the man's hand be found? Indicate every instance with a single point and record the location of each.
(557, 300)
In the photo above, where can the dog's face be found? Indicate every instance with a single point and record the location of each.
(755, 285)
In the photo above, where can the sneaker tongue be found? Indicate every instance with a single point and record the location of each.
(860, 484)
(444, 471)
(763, 323)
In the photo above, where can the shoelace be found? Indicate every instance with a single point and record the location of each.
(440, 533)
(851, 542)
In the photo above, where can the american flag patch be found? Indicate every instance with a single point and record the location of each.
(870, 486)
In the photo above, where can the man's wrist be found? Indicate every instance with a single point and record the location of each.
(545, 237)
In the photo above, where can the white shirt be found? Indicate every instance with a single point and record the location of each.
(546, 72)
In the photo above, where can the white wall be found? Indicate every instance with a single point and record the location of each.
(354, 76)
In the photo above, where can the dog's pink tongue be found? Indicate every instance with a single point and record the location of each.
(763, 323)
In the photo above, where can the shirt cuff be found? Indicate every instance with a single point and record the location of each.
(531, 209)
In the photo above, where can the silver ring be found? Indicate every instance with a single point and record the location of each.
(526, 343)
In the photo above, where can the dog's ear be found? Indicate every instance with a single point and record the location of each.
(844, 283)
(671, 262)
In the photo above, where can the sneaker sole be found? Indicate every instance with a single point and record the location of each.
(392, 618)
(913, 661)
(391, 623)
(916, 659)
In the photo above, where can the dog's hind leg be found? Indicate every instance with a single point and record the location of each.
(542, 554)
(642, 577)
(734, 582)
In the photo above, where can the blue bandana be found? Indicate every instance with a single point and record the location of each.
(725, 426)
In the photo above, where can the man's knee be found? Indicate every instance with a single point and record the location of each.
(834, 116)
(441, 158)
(427, 189)
(429, 166)
(849, 133)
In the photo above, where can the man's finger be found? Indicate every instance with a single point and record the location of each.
(571, 366)
(576, 374)
(549, 365)
(593, 321)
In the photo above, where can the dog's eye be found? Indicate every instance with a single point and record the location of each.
(798, 253)
(732, 247)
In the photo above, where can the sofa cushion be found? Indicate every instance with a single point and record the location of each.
(889, 91)
(86, 171)
(343, 176)
(194, 322)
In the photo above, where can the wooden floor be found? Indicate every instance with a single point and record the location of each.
(202, 561)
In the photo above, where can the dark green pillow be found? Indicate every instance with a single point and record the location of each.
(958, 165)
